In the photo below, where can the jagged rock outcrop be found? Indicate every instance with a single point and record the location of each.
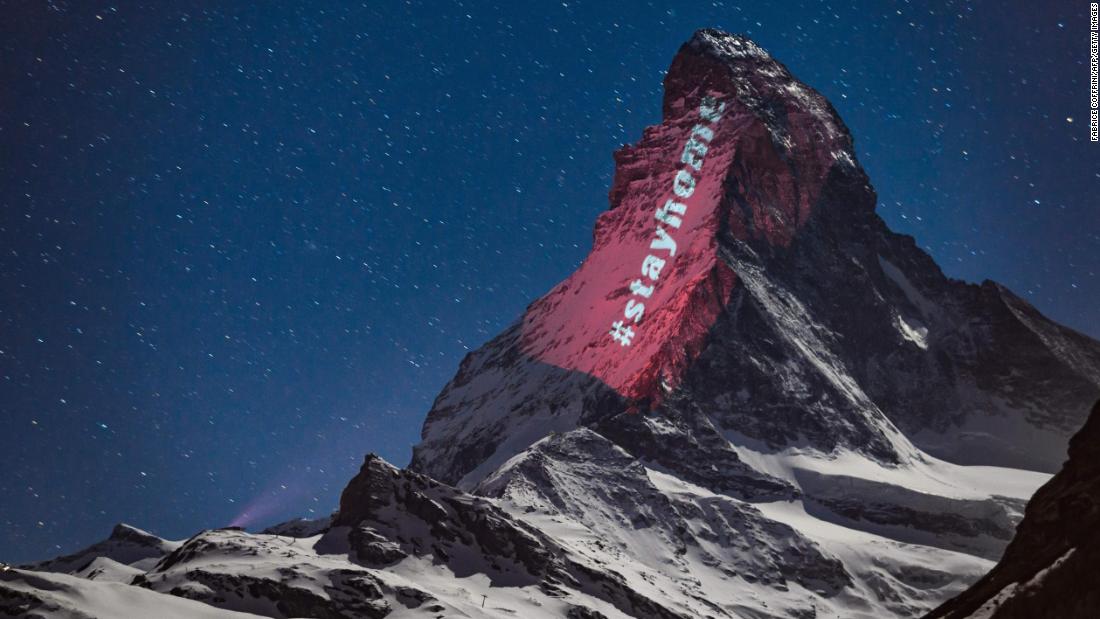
(392, 513)
(300, 527)
(1049, 569)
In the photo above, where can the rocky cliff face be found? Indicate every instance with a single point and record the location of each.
(1049, 569)
(776, 304)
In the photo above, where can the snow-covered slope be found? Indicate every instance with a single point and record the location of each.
(573, 527)
(126, 545)
(853, 539)
(46, 595)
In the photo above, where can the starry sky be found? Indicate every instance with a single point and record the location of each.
(241, 246)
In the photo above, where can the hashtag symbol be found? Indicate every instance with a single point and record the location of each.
(621, 333)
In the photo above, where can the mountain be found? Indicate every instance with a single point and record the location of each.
(1049, 569)
(751, 400)
(794, 360)
(128, 548)
(786, 309)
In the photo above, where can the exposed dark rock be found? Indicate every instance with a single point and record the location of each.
(372, 549)
(1049, 569)
(300, 527)
(408, 513)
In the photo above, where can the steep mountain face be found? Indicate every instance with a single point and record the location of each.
(775, 301)
(1049, 569)
(752, 400)
(793, 360)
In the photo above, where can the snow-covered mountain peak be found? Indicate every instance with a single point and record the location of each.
(741, 285)
(746, 330)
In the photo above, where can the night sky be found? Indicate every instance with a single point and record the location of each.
(241, 247)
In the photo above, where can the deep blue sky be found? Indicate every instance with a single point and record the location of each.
(241, 247)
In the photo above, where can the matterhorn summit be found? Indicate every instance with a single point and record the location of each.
(751, 400)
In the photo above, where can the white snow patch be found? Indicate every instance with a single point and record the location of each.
(925, 473)
(912, 330)
(106, 569)
(74, 596)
